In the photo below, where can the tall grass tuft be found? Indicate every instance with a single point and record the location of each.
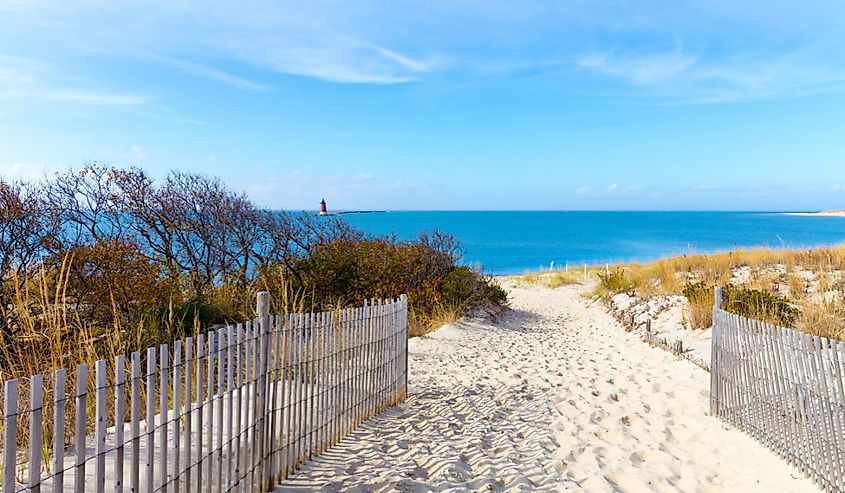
(700, 308)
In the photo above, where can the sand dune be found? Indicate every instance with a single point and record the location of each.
(555, 397)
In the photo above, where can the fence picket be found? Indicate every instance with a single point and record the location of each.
(272, 365)
(59, 409)
(239, 381)
(81, 422)
(134, 427)
(189, 407)
(150, 418)
(100, 424)
(209, 402)
(221, 386)
(177, 414)
(229, 406)
(164, 404)
(119, 419)
(312, 384)
(200, 408)
(836, 351)
(263, 313)
(10, 434)
(36, 428)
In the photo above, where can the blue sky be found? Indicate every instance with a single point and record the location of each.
(439, 104)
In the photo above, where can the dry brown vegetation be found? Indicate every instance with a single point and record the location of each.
(769, 284)
(552, 278)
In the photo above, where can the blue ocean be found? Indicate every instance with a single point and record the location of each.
(511, 242)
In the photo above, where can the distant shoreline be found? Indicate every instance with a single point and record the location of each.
(831, 213)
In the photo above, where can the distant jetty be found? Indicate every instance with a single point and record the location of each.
(325, 212)
(340, 213)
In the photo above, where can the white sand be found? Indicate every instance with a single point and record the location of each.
(667, 315)
(555, 397)
(836, 213)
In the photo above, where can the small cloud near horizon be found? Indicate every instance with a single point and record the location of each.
(139, 152)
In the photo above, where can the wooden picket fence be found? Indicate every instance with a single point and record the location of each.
(237, 409)
(783, 387)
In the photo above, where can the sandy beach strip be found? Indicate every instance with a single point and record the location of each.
(838, 213)
(553, 397)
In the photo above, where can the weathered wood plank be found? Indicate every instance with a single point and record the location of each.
(164, 404)
(177, 416)
(189, 407)
(10, 434)
(134, 426)
(119, 420)
(209, 420)
(150, 419)
(200, 408)
(59, 409)
(81, 403)
(36, 429)
(100, 425)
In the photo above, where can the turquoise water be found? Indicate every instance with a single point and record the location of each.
(507, 242)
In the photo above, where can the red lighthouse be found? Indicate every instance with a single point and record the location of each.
(323, 210)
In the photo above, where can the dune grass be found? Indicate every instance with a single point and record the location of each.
(556, 278)
(770, 283)
(800, 288)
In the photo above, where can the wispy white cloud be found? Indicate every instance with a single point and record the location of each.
(138, 151)
(705, 187)
(690, 51)
(212, 73)
(94, 98)
(336, 59)
(338, 43)
(613, 187)
(678, 77)
(27, 78)
(655, 68)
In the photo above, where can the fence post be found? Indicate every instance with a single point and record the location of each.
(262, 308)
(10, 434)
(36, 413)
(714, 349)
(404, 298)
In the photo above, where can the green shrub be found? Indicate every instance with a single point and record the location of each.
(195, 313)
(465, 287)
(616, 281)
(345, 272)
(699, 293)
(758, 304)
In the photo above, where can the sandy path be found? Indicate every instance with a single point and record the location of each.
(555, 397)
